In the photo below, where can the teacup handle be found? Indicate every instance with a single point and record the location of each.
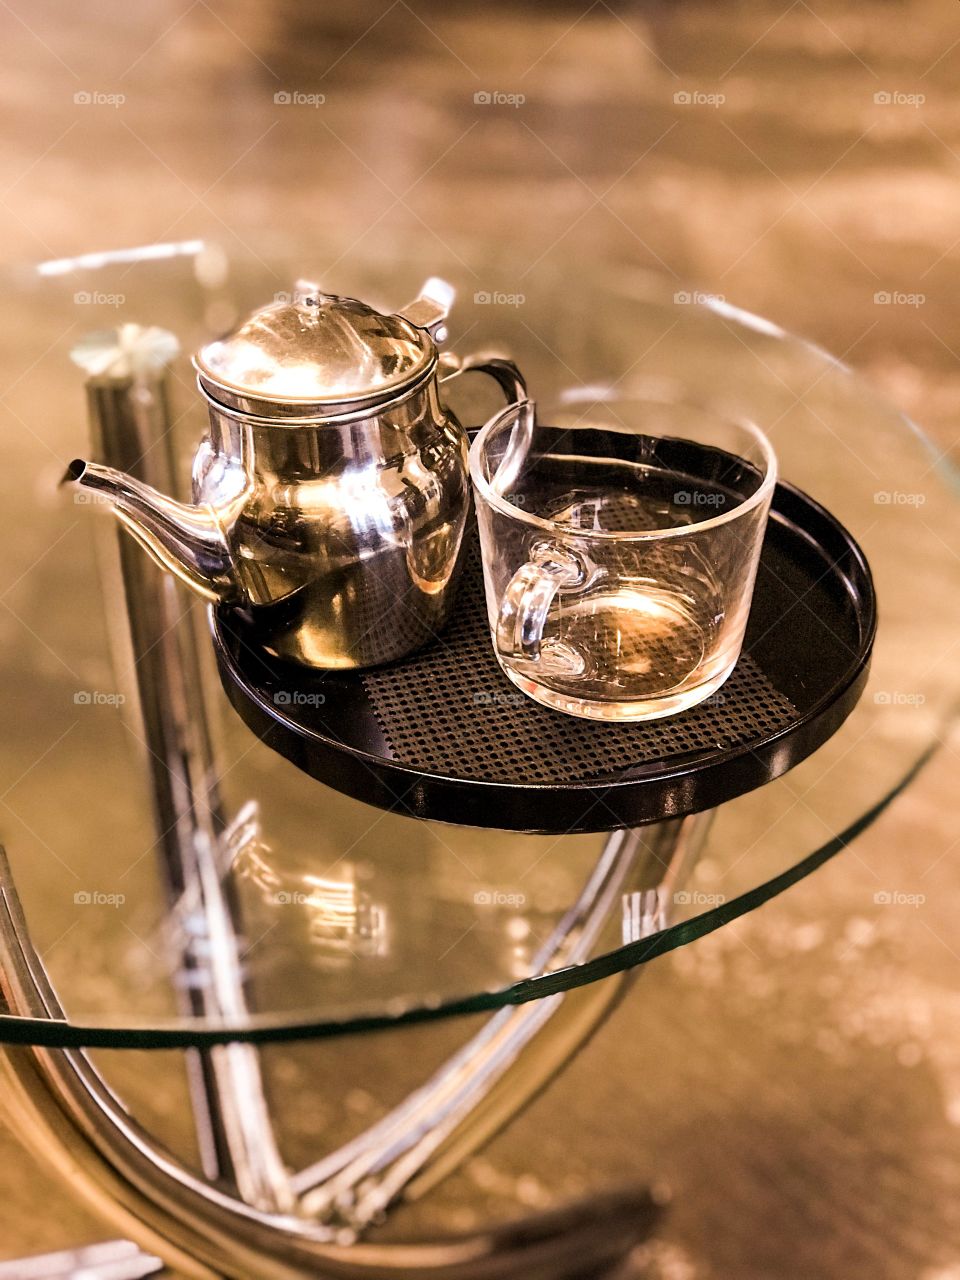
(503, 371)
(530, 592)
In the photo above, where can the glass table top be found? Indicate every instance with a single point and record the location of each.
(342, 917)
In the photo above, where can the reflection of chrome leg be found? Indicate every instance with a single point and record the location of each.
(65, 1112)
(130, 428)
(114, 1260)
(518, 1051)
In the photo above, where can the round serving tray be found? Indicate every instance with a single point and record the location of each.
(444, 735)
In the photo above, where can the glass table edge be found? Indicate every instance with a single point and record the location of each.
(59, 1033)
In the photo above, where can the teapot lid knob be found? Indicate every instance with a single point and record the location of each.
(307, 293)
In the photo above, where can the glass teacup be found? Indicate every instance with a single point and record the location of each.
(620, 546)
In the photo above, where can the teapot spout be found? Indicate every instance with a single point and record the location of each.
(183, 539)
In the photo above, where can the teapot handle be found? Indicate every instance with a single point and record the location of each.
(503, 371)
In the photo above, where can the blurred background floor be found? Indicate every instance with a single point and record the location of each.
(800, 1087)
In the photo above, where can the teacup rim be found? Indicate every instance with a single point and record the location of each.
(763, 492)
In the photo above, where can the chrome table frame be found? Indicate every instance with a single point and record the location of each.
(245, 1213)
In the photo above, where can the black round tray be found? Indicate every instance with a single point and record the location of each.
(444, 735)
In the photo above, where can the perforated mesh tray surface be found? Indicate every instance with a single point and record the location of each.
(444, 735)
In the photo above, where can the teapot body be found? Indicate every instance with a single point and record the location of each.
(330, 496)
(345, 533)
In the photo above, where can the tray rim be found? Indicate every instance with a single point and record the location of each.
(686, 788)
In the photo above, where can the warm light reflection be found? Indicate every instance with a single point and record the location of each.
(338, 915)
(342, 916)
(142, 253)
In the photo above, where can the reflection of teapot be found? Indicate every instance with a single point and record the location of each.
(331, 493)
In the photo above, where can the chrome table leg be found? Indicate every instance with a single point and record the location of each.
(130, 425)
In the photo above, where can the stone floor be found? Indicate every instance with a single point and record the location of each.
(794, 1079)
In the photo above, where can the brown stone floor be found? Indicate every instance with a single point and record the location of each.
(795, 1079)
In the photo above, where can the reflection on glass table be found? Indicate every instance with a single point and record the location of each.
(171, 879)
(349, 915)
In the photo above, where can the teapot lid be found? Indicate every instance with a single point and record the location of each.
(313, 354)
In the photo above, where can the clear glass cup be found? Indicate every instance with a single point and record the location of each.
(620, 543)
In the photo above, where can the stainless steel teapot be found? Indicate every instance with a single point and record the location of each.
(331, 494)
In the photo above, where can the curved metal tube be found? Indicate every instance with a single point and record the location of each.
(68, 1115)
(275, 1228)
(500, 1069)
